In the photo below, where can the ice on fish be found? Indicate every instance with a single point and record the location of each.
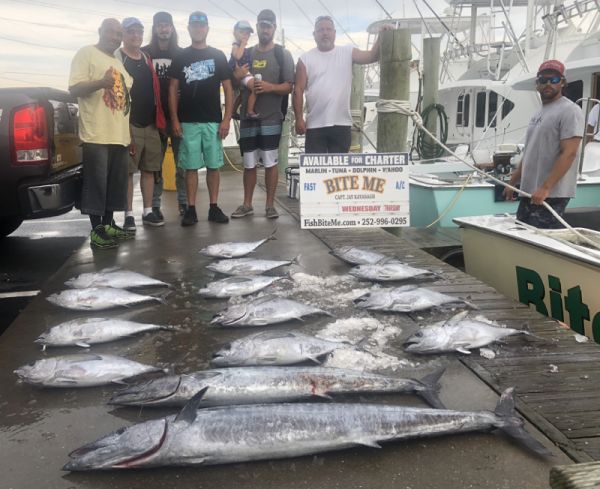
(89, 331)
(235, 286)
(459, 333)
(247, 266)
(358, 256)
(276, 348)
(98, 298)
(234, 249)
(268, 309)
(113, 277)
(408, 298)
(246, 433)
(81, 370)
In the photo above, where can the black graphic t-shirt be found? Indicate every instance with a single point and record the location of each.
(162, 62)
(143, 108)
(200, 73)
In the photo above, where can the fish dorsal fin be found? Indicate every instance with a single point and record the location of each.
(275, 335)
(406, 288)
(237, 280)
(457, 318)
(84, 357)
(206, 375)
(264, 298)
(189, 412)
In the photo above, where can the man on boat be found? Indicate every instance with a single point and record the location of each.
(325, 74)
(547, 170)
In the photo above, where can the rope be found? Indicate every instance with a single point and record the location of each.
(403, 107)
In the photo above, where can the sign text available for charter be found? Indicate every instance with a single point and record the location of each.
(354, 190)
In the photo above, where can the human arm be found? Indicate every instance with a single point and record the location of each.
(515, 179)
(228, 92)
(237, 49)
(287, 75)
(298, 97)
(566, 157)
(363, 57)
(173, 106)
(85, 88)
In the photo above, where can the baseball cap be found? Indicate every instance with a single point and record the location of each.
(164, 17)
(266, 16)
(552, 65)
(243, 25)
(198, 17)
(129, 22)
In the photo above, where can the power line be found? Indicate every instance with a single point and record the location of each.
(383, 8)
(62, 7)
(244, 6)
(338, 22)
(310, 21)
(39, 45)
(53, 26)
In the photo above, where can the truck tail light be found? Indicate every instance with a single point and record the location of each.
(30, 135)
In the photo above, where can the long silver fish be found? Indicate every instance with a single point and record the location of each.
(268, 309)
(262, 385)
(245, 433)
(236, 286)
(98, 298)
(275, 348)
(89, 331)
(408, 298)
(358, 256)
(233, 249)
(248, 266)
(113, 277)
(81, 370)
(388, 271)
(459, 333)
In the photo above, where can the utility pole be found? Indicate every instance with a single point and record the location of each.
(431, 69)
(394, 69)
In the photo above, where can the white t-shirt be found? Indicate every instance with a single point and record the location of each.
(593, 121)
(329, 82)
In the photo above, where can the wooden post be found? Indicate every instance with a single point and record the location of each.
(284, 145)
(396, 54)
(357, 103)
(431, 73)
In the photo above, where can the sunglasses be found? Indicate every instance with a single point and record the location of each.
(542, 80)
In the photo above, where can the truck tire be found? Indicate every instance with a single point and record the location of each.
(8, 225)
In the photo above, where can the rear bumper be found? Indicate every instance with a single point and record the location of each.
(56, 196)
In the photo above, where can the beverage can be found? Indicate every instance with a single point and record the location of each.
(258, 77)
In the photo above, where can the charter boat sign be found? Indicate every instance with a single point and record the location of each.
(353, 190)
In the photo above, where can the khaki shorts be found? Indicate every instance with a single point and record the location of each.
(148, 149)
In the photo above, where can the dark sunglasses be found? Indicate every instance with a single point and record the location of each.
(542, 80)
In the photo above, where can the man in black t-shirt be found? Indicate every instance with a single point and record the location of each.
(197, 74)
(145, 121)
(162, 49)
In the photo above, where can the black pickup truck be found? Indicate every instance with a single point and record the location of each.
(40, 155)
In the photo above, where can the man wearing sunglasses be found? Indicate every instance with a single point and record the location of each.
(547, 170)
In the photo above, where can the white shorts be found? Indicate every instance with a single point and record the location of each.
(268, 158)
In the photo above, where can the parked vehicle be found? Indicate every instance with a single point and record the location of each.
(40, 155)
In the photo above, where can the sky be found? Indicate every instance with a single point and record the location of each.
(40, 37)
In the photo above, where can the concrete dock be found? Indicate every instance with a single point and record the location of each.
(39, 427)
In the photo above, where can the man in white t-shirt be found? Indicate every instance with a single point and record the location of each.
(593, 127)
(324, 75)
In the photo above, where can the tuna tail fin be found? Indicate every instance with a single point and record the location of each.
(432, 388)
(189, 411)
(512, 425)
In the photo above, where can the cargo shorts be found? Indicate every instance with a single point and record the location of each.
(148, 149)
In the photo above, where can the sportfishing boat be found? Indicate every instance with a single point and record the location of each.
(554, 271)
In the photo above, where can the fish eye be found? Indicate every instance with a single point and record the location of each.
(120, 431)
(226, 346)
(31, 364)
(419, 334)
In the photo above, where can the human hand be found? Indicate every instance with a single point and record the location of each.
(509, 194)
(300, 126)
(262, 87)
(224, 128)
(539, 196)
(386, 27)
(107, 80)
(176, 128)
(132, 148)
(240, 72)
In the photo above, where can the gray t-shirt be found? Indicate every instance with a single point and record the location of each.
(561, 119)
(268, 105)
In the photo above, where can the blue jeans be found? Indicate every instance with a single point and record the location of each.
(179, 173)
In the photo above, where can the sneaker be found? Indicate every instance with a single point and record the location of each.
(215, 214)
(100, 240)
(182, 209)
(189, 217)
(151, 219)
(242, 211)
(271, 213)
(158, 213)
(117, 232)
(129, 224)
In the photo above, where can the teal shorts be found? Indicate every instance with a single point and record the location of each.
(200, 146)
